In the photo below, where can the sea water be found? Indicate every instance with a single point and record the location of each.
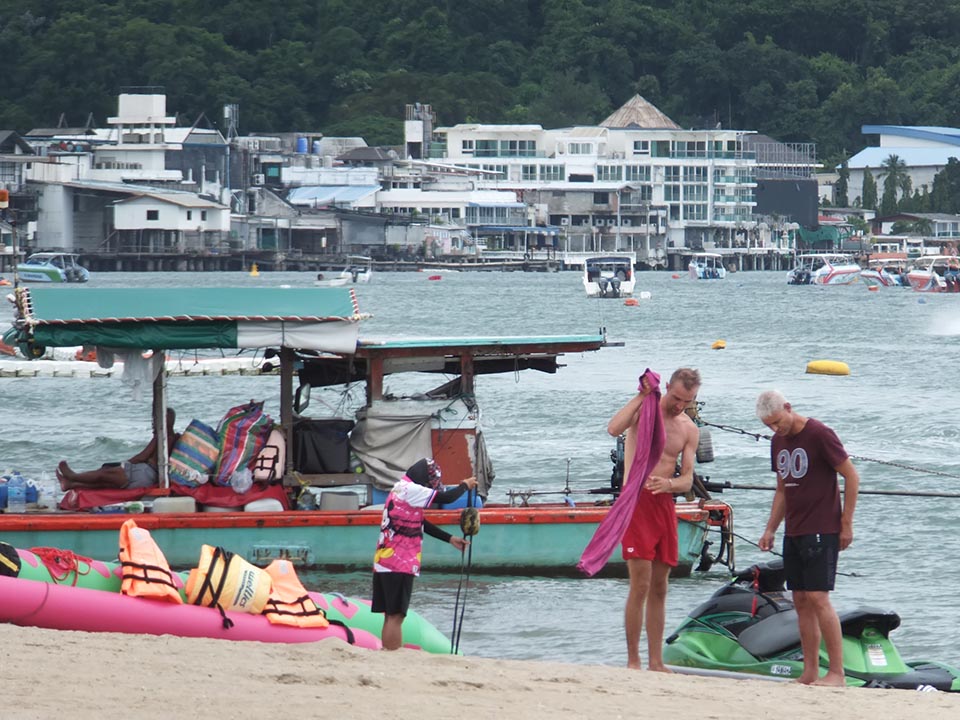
(897, 405)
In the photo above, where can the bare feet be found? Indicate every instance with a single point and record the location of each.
(634, 665)
(660, 668)
(805, 679)
(65, 475)
(831, 680)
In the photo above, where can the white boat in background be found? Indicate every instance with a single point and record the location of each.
(707, 266)
(609, 276)
(935, 273)
(824, 269)
(52, 267)
(886, 272)
(359, 269)
(338, 281)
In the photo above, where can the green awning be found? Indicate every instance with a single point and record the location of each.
(325, 319)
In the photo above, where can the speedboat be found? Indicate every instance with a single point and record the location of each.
(707, 266)
(52, 267)
(608, 276)
(359, 269)
(935, 273)
(824, 269)
(338, 281)
(749, 627)
(885, 273)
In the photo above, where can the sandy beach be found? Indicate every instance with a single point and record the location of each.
(76, 675)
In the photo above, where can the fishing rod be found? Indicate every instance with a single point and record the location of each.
(727, 485)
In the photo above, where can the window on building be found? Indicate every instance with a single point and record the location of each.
(609, 172)
(203, 215)
(671, 193)
(601, 198)
(671, 173)
(466, 147)
(153, 214)
(696, 173)
(189, 215)
(637, 173)
(695, 211)
(641, 147)
(518, 148)
(552, 173)
(486, 148)
(575, 148)
(528, 172)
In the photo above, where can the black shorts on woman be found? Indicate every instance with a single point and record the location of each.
(810, 561)
(391, 593)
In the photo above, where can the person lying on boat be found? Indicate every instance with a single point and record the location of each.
(140, 471)
(397, 559)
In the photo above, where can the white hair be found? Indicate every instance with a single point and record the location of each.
(769, 402)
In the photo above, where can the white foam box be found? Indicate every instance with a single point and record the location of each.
(264, 505)
(339, 500)
(174, 505)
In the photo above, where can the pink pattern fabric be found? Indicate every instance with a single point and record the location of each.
(651, 439)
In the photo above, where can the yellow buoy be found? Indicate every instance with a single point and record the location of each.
(828, 367)
(254, 270)
(719, 345)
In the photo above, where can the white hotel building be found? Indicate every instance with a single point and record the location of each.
(637, 182)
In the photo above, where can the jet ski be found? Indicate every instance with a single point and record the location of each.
(749, 627)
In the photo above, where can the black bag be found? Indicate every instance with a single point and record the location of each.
(322, 446)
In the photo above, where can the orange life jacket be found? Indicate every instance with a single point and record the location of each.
(289, 602)
(145, 569)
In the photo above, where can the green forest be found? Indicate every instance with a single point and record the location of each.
(799, 71)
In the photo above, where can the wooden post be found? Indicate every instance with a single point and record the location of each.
(159, 367)
(286, 405)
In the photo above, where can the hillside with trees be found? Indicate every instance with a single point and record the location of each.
(800, 71)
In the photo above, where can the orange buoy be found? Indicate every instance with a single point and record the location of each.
(873, 288)
(631, 301)
(435, 277)
(4, 282)
(88, 356)
(719, 345)
(675, 276)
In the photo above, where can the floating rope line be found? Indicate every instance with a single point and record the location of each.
(902, 466)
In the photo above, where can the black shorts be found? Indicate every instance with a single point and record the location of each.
(391, 593)
(810, 561)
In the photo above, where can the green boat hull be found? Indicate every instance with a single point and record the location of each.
(511, 541)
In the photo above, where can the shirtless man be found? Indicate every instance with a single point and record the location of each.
(650, 542)
(140, 471)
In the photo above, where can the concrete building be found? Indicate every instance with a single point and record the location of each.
(924, 149)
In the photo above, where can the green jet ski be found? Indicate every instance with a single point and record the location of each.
(749, 626)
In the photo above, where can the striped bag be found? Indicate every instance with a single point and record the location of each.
(243, 432)
(194, 455)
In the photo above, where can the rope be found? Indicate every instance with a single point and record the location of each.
(902, 466)
(748, 541)
(459, 609)
(60, 563)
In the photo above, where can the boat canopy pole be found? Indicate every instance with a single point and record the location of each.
(286, 405)
(158, 363)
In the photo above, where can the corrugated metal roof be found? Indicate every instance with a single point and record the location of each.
(874, 157)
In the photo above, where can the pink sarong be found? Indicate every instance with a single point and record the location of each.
(651, 439)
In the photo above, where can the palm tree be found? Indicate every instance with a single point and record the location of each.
(896, 181)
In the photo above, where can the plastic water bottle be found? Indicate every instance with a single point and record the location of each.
(16, 493)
